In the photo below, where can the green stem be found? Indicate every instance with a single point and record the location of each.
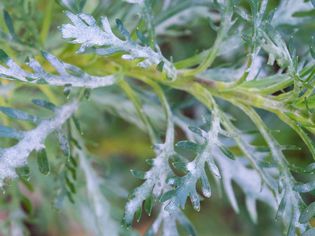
(276, 151)
(205, 98)
(208, 60)
(226, 23)
(47, 21)
(170, 136)
(192, 61)
(138, 106)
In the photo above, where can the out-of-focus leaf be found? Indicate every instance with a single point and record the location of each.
(123, 30)
(72, 5)
(304, 188)
(26, 205)
(45, 104)
(42, 162)
(7, 132)
(3, 56)
(138, 174)
(17, 114)
(9, 23)
(227, 153)
(310, 232)
(307, 213)
(186, 224)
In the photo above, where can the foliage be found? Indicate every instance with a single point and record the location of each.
(249, 65)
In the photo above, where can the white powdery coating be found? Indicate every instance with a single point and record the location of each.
(232, 44)
(105, 224)
(277, 49)
(250, 182)
(169, 224)
(231, 171)
(5, 90)
(33, 140)
(166, 220)
(140, 194)
(196, 167)
(140, 2)
(86, 32)
(255, 68)
(223, 74)
(16, 226)
(287, 8)
(292, 198)
(184, 17)
(65, 74)
(126, 109)
(191, 167)
(154, 183)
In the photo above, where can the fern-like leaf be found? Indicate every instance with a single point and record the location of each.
(32, 140)
(86, 32)
(68, 75)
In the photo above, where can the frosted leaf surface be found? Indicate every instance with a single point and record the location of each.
(248, 180)
(135, 1)
(100, 205)
(155, 182)
(226, 171)
(86, 32)
(183, 17)
(67, 74)
(275, 46)
(186, 185)
(33, 140)
(284, 13)
(126, 109)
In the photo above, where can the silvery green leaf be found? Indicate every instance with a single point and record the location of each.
(189, 228)
(206, 189)
(86, 32)
(64, 143)
(168, 195)
(307, 213)
(304, 188)
(285, 13)
(188, 146)
(16, 156)
(45, 104)
(9, 23)
(17, 114)
(7, 132)
(310, 167)
(310, 232)
(123, 30)
(72, 5)
(68, 75)
(227, 152)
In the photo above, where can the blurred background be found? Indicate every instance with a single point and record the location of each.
(39, 204)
